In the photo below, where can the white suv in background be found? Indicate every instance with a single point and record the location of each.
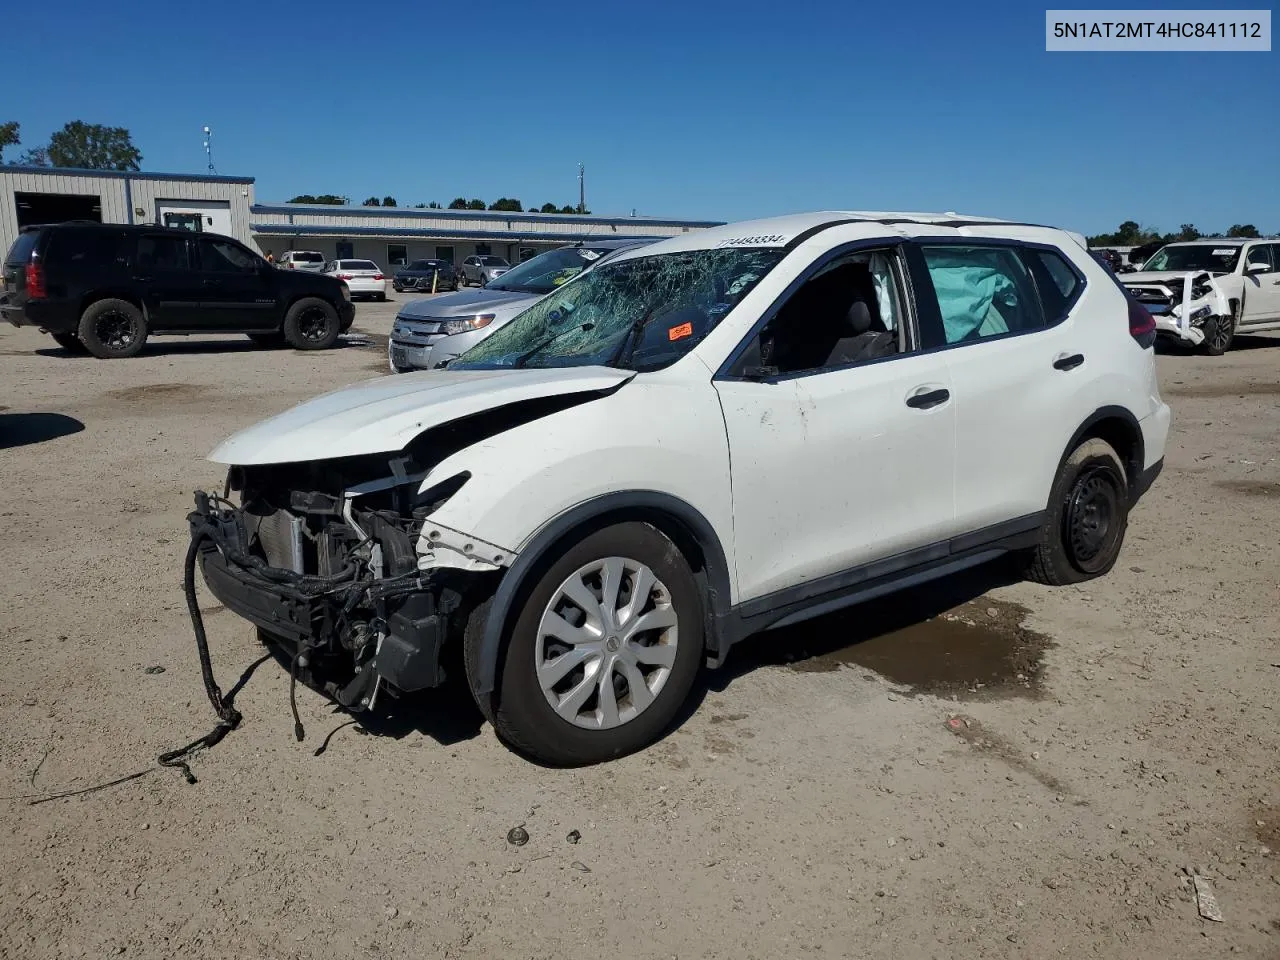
(312, 260)
(704, 438)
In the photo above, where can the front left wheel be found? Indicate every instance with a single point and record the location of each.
(603, 652)
(311, 324)
(1218, 334)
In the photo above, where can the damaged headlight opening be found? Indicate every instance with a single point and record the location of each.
(323, 560)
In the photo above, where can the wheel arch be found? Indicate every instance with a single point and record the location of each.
(681, 522)
(89, 299)
(1120, 428)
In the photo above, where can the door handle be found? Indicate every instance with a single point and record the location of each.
(1065, 362)
(142, 279)
(928, 398)
(210, 283)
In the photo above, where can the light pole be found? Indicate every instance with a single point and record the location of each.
(208, 147)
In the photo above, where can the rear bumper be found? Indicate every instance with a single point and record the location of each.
(48, 315)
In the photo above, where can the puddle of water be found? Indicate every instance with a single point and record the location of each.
(1252, 488)
(978, 650)
(1218, 390)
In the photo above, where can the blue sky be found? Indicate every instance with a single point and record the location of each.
(702, 108)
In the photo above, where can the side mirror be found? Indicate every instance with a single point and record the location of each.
(1256, 266)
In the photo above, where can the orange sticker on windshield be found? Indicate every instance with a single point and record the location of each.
(680, 332)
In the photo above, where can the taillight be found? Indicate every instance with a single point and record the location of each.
(35, 282)
(1142, 325)
(378, 276)
(344, 276)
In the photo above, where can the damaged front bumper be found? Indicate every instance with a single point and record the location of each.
(1181, 306)
(355, 625)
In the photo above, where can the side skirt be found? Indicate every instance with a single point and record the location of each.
(880, 577)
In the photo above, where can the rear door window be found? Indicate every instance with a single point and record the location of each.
(306, 257)
(982, 291)
(159, 252)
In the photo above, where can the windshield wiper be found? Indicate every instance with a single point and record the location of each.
(632, 332)
(547, 341)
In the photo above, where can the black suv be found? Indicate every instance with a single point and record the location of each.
(105, 288)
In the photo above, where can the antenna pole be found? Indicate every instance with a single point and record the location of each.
(582, 189)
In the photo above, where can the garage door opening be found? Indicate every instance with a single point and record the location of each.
(37, 208)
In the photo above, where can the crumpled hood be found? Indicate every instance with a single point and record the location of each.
(1158, 276)
(383, 415)
(464, 303)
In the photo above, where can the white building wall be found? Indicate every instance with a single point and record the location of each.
(151, 196)
(109, 190)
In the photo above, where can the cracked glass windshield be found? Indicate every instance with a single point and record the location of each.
(642, 314)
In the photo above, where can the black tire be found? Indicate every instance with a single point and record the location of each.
(521, 714)
(397, 288)
(380, 297)
(70, 343)
(311, 324)
(1218, 334)
(113, 329)
(1088, 513)
(268, 340)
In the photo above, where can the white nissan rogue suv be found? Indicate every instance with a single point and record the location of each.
(704, 438)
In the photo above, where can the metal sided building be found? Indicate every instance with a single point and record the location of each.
(34, 195)
(391, 236)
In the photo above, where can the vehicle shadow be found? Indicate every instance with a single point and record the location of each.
(447, 714)
(23, 429)
(1253, 341)
(172, 346)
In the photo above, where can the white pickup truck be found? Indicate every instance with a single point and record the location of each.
(1204, 292)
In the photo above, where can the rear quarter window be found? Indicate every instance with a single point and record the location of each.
(1057, 282)
(82, 248)
(20, 252)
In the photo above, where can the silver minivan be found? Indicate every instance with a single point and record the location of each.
(429, 333)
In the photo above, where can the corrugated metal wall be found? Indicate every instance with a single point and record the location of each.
(109, 190)
(147, 192)
(391, 220)
(121, 196)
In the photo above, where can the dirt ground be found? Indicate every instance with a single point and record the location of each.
(980, 769)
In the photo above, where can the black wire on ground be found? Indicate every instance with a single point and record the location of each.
(298, 732)
(228, 716)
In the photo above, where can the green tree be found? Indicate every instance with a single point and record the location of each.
(1246, 230)
(1188, 231)
(371, 202)
(91, 146)
(548, 208)
(433, 205)
(475, 204)
(389, 201)
(507, 204)
(458, 203)
(9, 136)
(303, 198)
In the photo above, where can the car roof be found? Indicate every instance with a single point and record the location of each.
(787, 232)
(1211, 242)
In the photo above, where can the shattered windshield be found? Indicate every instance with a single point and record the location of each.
(641, 314)
(549, 270)
(1202, 256)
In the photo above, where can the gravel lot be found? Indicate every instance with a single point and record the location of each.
(980, 769)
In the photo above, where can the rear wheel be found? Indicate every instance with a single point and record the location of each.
(603, 652)
(113, 329)
(311, 324)
(1088, 513)
(70, 343)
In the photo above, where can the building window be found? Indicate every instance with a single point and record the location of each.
(527, 253)
(397, 254)
(344, 250)
(444, 253)
(483, 249)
